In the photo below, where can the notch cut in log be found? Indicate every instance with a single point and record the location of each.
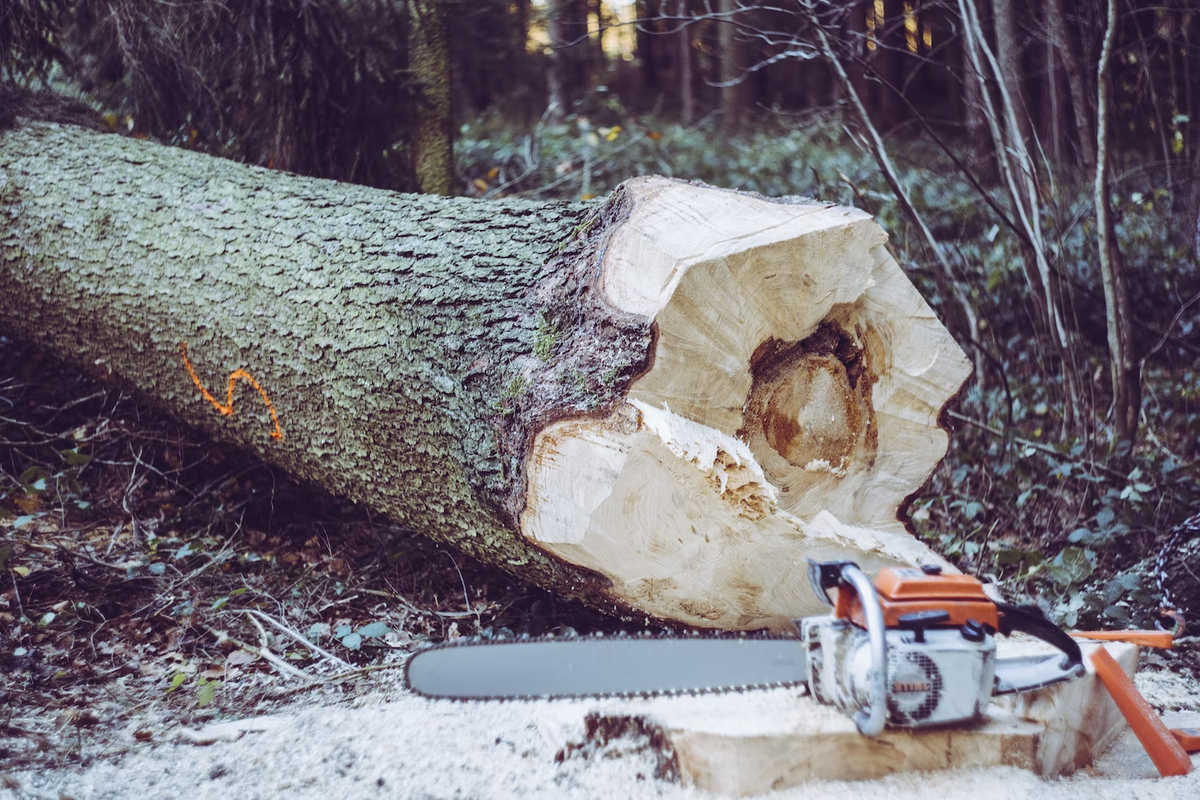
(662, 404)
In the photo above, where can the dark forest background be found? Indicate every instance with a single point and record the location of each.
(1036, 162)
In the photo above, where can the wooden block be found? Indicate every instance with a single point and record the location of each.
(1080, 719)
(745, 744)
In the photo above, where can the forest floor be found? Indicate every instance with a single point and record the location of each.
(156, 588)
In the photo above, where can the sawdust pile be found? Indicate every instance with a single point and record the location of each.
(385, 742)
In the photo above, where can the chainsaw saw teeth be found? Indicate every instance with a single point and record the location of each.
(912, 649)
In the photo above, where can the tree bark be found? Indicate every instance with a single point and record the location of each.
(687, 89)
(733, 73)
(662, 404)
(890, 64)
(1008, 53)
(599, 61)
(1126, 380)
(644, 39)
(433, 130)
(1079, 97)
(561, 76)
(982, 155)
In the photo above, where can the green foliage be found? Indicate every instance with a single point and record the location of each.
(515, 388)
(205, 688)
(41, 488)
(371, 634)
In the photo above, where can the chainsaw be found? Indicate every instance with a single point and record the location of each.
(912, 649)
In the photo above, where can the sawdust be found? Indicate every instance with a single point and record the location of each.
(392, 744)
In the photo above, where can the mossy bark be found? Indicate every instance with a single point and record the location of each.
(433, 134)
(407, 344)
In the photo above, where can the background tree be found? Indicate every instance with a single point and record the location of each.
(1126, 383)
(433, 133)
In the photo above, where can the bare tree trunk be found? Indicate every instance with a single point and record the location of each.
(522, 75)
(1053, 128)
(663, 404)
(1017, 172)
(433, 136)
(856, 35)
(733, 93)
(1193, 216)
(1126, 385)
(1009, 53)
(560, 78)
(1163, 129)
(1061, 35)
(1189, 27)
(891, 64)
(645, 46)
(601, 58)
(976, 124)
(687, 88)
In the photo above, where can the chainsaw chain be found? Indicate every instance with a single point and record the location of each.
(479, 641)
(1188, 528)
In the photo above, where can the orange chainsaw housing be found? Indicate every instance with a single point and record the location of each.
(906, 591)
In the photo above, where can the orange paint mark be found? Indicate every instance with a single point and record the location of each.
(227, 409)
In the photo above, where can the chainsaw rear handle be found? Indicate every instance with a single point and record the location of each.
(870, 722)
(1028, 673)
(1032, 620)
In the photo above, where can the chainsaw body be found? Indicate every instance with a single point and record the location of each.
(917, 648)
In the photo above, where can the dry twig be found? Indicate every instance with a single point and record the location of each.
(295, 634)
(263, 653)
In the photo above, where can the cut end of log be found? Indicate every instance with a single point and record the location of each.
(791, 408)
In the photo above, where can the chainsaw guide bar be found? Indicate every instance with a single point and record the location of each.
(604, 666)
(912, 650)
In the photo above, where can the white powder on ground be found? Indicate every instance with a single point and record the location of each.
(400, 746)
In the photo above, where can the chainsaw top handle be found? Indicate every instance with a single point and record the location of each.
(870, 722)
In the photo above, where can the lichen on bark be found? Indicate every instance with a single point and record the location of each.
(395, 334)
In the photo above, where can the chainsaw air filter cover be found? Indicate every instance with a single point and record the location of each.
(946, 677)
(940, 654)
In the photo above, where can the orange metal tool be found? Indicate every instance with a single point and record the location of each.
(1162, 640)
(1167, 753)
(1189, 738)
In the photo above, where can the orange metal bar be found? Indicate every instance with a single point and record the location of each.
(1162, 640)
(1164, 750)
(1189, 738)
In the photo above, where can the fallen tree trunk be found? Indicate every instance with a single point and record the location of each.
(663, 403)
